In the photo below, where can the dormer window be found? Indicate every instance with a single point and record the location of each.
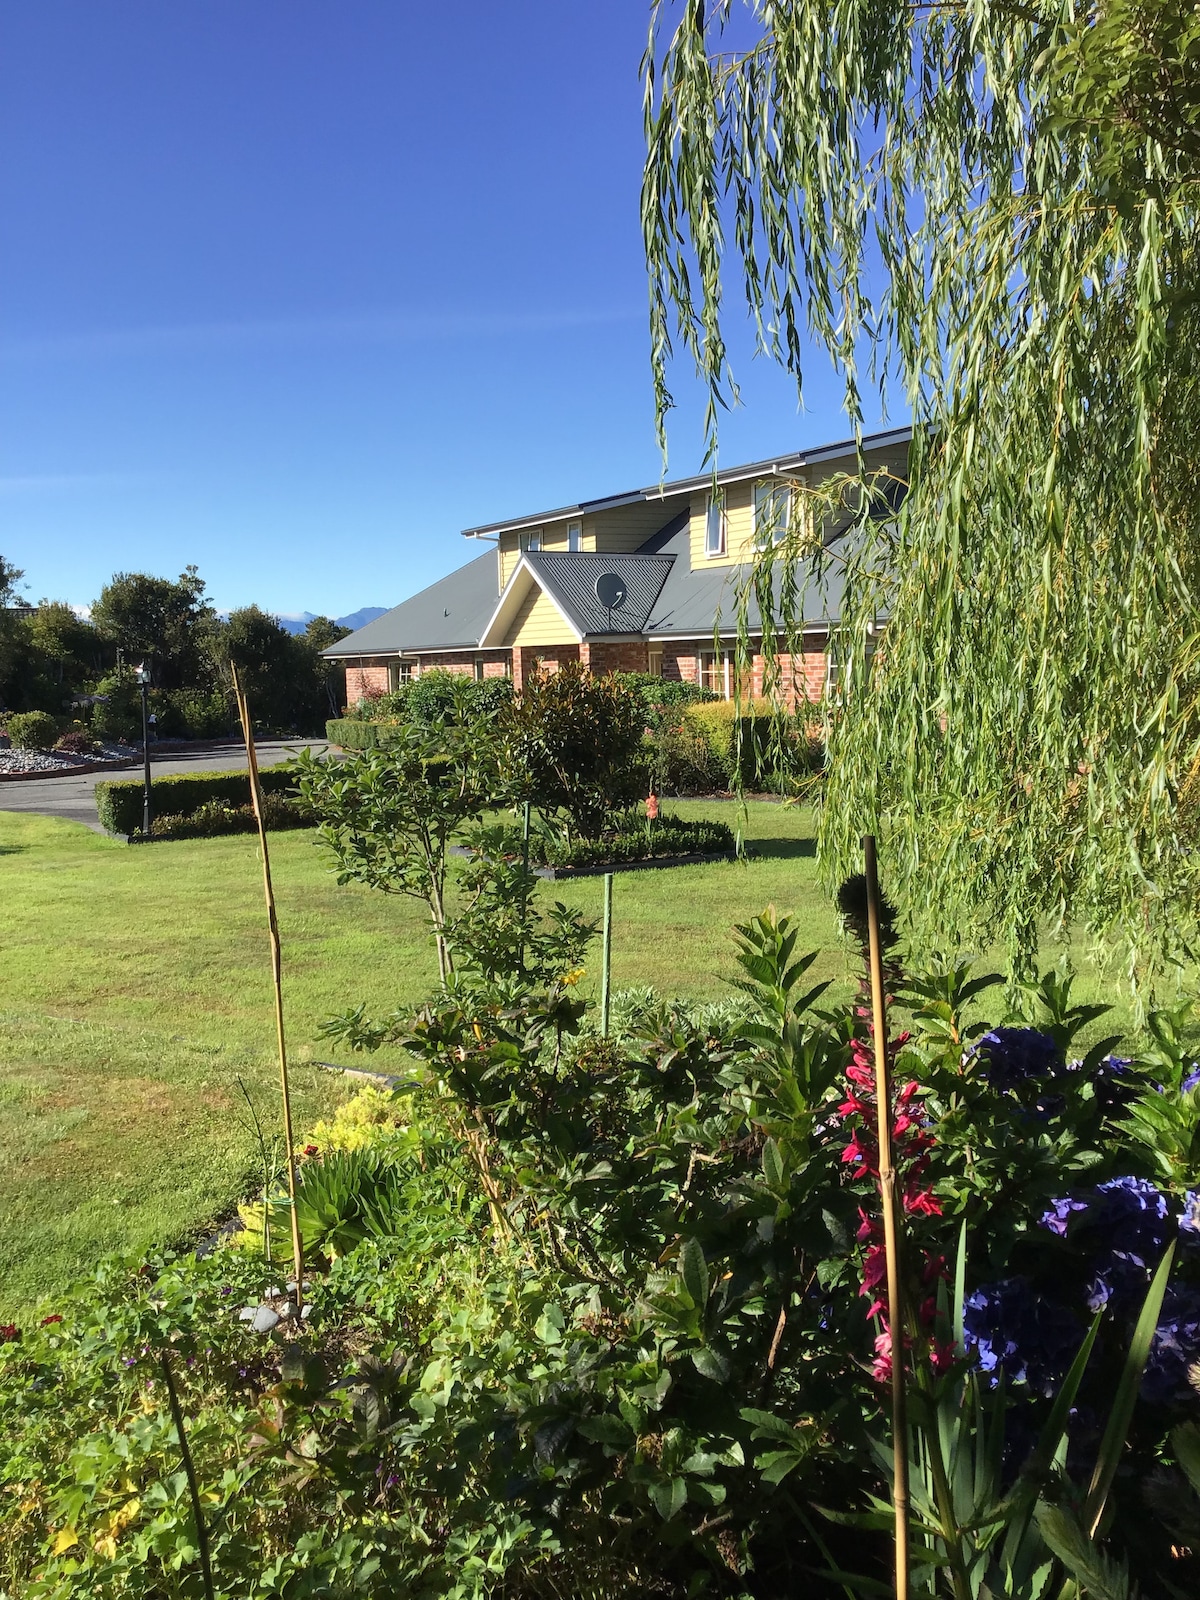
(531, 539)
(772, 510)
(716, 524)
(574, 537)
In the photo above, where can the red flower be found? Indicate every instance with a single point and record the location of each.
(311, 1150)
(9, 1333)
(46, 1321)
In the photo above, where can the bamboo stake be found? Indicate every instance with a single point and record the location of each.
(277, 979)
(891, 1222)
(606, 954)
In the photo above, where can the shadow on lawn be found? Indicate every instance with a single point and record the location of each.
(780, 849)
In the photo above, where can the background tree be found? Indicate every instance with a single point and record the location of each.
(321, 632)
(993, 207)
(282, 673)
(155, 617)
(10, 577)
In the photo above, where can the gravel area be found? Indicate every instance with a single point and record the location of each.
(59, 760)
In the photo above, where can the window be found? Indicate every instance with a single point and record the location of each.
(574, 536)
(716, 524)
(772, 508)
(654, 654)
(400, 672)
(531, 539)
(714, 670)
(478, 669)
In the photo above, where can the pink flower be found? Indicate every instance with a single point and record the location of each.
(651, 807)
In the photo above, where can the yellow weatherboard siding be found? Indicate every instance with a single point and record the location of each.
(539, 622)
(739, 526)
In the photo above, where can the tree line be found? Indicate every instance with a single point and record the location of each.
(51, 658)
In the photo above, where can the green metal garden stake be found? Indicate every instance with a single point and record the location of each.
(606, 954)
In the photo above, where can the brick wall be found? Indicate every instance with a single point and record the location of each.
(365, 683)
(526, 659)
(496, 663)
(624, 655)
(801, 677)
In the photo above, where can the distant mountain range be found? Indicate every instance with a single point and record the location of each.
(297, 622)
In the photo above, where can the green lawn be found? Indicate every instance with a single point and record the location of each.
(134, 994)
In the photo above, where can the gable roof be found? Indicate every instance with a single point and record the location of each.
(451, 614)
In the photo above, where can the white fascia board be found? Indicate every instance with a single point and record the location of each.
(510, 603)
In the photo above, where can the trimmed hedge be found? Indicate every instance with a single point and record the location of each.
(215, 818)
(119, 804)
(349, 733)
(669, 836)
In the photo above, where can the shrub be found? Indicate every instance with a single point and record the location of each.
(194, 714)
(216, 817)
(119, 715)
(663, 699)
(78, 742)
(119, 803)
(668, 836)
(680, 760)
(764, 748)
(577, 746)
(33, 730)
(355, 733)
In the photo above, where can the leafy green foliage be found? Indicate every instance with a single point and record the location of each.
(575, 745)
(158, 619)
(992, 211)
(32, 730)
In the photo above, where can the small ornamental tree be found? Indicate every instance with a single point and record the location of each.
(390, 815)
(575, 745)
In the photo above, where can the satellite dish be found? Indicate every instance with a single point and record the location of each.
(610, 590)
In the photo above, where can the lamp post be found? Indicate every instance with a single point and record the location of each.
(142, 674)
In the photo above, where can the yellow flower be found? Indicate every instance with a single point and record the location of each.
(571, 978)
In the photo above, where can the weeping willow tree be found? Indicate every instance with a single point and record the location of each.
(991, 204)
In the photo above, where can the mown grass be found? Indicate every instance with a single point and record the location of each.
(135, 994)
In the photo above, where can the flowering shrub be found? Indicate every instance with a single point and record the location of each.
(602, 1315)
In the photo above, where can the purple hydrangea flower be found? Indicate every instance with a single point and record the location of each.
(1173, 1349)
(1009, 1057)
(1192, 1080)
(1059, 1213)
(1189, 1222)
(1015, 1331)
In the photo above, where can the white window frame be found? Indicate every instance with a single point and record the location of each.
(479, 666)
(531, 539)
(716, 525)
(574, 537)
(775, 500)
(722, 665)
(654, 660)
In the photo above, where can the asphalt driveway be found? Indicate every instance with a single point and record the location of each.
(72, 796)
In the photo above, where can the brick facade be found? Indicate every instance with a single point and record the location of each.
(527, 659)
(614, 655)
(365, 683)
(803, 676)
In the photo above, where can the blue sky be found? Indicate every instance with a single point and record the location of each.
(296, 290)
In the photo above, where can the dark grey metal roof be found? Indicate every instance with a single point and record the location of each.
(451, 614)
(692, 601)
(570, 581)
(789, 461)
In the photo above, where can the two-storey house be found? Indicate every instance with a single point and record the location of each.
(639, 582)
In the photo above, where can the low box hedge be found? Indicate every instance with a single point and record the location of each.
(119, 803)
(349, 733)
(669, 836)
